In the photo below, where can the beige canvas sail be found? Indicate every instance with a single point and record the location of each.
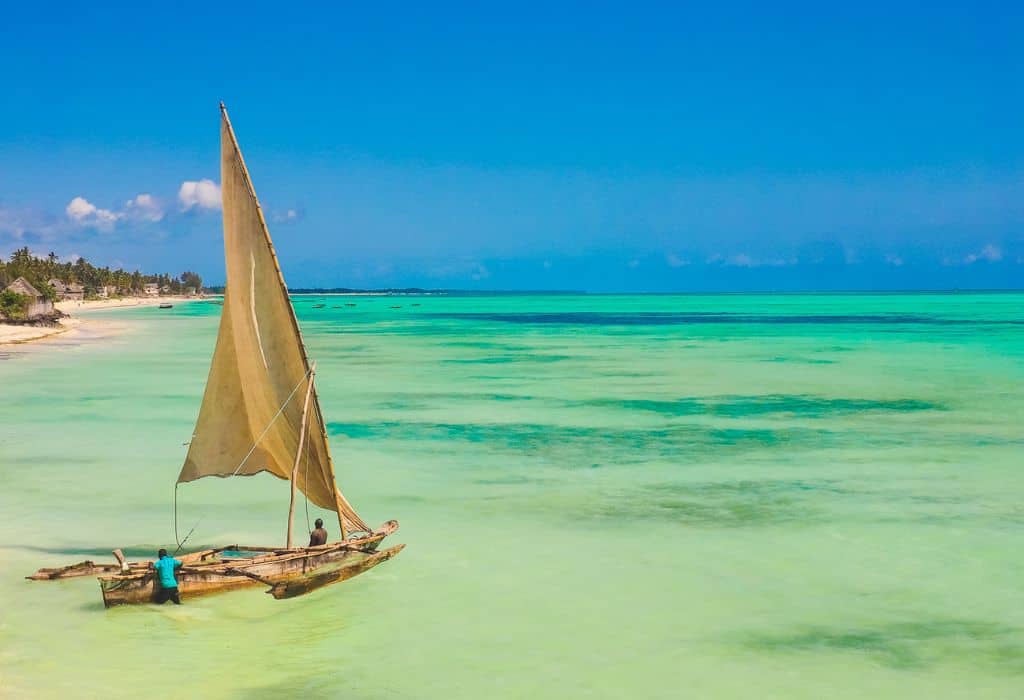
(251, 414)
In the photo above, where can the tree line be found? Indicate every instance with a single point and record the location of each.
(39, 272)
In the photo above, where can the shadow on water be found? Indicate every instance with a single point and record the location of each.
(908, 645)
(315, 684)
(93, 607)
(139, 551)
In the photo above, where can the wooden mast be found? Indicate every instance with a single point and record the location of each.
(339, 500)
(298, 455)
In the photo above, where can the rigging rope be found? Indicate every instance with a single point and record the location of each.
(181, 543)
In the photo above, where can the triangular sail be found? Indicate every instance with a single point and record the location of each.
(251, 414)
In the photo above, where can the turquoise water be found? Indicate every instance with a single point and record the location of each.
(792, 496)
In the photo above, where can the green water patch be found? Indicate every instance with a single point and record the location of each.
(908, 645)
(721, 504)
(510, 480)
(734, 406)
(486, 345)
(426, 400)
(721, 512)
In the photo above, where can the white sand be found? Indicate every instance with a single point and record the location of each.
(71, 307)
(19, 335)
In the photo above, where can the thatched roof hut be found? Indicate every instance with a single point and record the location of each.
(74, 292)
(38, 305)
(22, 286)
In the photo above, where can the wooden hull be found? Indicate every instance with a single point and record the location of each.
(287, 572)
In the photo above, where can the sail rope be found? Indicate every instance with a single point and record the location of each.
(255, 444)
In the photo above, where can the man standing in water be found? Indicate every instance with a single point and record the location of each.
(164, 567)
(319, 535)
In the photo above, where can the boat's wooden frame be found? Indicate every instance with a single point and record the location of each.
(287, 572)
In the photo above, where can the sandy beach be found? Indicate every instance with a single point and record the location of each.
(71, 307)
(21, 335)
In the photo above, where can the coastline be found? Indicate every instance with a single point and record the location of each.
(72, 324)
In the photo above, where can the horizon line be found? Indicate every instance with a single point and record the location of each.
(584, 292)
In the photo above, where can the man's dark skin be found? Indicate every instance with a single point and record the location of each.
(319, 535)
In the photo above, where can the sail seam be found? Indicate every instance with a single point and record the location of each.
(252, 308)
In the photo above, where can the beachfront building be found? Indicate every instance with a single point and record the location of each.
(151, 289)
(106, 291)
(74, 292)
(38, 304)
(59, 287)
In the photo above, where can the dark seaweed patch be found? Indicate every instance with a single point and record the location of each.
(745, 406)
(743, 503)
(668, 318)
(708, 512)
(573, 446)
(507, 359)
(909, 645)
(800, 360)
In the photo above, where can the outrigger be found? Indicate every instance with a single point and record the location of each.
(260, 413)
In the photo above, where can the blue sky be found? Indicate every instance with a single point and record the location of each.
(608, 147)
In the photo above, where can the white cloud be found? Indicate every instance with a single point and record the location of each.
(145, 207)
(892, 259)
(204, 194)
(745, 260)
(990, 253)
(287, 216)
(85, 213)
(79, 208)
(674, 260)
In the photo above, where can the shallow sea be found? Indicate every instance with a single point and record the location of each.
(789, 496)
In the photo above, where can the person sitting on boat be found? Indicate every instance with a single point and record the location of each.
(168, 590)
(319, 535)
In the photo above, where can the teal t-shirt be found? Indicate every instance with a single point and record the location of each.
(165, 568)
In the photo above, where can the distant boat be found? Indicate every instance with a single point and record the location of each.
(396, 307)
(349, 304)
(165, 305)
(260, 403)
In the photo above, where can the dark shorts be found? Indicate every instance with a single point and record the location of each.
(165, 594)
